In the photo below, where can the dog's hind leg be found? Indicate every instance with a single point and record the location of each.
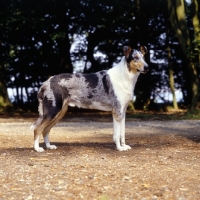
(45, 126)
(36, 143)
(41, 129)
(46, 139)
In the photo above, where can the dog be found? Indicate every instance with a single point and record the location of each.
(107, 90)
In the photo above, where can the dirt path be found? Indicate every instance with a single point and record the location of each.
(164, 162)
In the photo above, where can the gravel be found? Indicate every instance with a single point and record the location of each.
(164, 162)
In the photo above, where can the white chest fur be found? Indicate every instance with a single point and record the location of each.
(123, 81)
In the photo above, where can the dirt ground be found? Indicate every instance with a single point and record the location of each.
(164, 162)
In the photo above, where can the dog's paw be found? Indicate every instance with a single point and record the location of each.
(39, 149)
(51, 147)
(124, 148)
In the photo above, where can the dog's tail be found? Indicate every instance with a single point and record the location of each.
(32, 127)
(38, 122)
(40, 110)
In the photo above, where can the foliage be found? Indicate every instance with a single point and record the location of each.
(41, 38)
(193, 51)
(181, 115)
(192, 114)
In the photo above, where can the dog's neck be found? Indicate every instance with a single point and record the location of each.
(121, 76)
(132, 76)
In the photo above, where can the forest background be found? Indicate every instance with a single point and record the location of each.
(39, 39)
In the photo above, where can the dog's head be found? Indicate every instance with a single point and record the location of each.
(135, 59)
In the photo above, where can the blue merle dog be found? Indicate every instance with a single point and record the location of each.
(108, 90)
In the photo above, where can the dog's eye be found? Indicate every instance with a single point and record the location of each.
(136, 58)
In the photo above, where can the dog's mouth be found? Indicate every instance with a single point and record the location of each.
(143, 72)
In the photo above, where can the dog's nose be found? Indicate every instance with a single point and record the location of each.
(146, 67)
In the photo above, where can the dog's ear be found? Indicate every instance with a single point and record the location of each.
(143, 50)
(126, 50)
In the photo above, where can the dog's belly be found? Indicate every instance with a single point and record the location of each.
(100, 106)
(93, 105)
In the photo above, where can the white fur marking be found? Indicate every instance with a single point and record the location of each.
(75, 83)
(47, 143)
(125, 87)
(36, 145)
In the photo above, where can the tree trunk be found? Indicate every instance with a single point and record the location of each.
(171, 81)
(171, 73)
(65, 45)
(4, 100)
(195, 19)
(196, 51)
(177, 17)
(143, 100)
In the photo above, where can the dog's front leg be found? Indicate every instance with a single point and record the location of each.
(116, 134)
(119, 134)
(122, 135)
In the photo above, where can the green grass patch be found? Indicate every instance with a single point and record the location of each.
(179, 115)
(193, 114)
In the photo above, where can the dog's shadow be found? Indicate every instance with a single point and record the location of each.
(61, 147)
(85, 145)
(138, 142)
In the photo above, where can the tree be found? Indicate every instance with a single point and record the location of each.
(194, 51)
(4, 100)
(171, 73)
(37, 38)
(179, 24)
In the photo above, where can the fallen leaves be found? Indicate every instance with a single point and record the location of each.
(39, 159)
(164, 162)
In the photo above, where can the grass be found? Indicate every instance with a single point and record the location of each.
(178, 115)
(195, 115)
(103, 198)
(135, 115)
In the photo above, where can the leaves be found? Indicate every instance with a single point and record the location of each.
(164, 162)
(37, 41)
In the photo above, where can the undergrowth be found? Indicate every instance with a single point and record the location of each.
(182, 115)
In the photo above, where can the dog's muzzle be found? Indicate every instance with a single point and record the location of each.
(146, 69)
